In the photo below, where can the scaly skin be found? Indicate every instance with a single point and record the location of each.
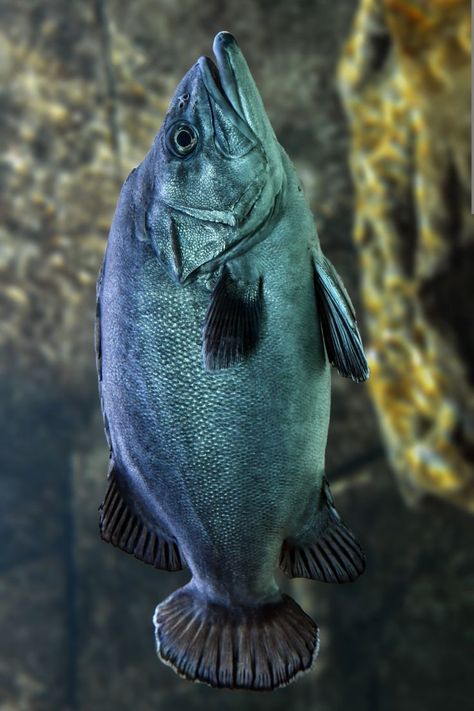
(231, 461)
(218, 316)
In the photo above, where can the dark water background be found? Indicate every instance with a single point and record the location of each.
(84, 89)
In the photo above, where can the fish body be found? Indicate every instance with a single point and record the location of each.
(218, 316)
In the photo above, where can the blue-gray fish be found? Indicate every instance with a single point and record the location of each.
(217, 319)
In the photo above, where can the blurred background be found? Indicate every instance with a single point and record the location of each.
(371, 100)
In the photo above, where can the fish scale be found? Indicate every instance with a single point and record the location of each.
(218, 319)
(222, 402)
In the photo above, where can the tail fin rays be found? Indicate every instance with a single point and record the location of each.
(259, 648)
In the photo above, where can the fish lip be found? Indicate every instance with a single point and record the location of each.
(222, 47)
(221, 85)
(220, 80)
(212, 80)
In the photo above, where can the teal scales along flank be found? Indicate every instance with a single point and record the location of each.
(218, 317)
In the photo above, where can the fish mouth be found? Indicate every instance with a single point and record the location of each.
(238, 85)
(224, 47)
(221, 82)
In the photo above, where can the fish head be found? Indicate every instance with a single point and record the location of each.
(216, 164)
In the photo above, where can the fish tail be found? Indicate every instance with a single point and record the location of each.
(260, 648)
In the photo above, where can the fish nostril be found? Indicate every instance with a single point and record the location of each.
(183, 100)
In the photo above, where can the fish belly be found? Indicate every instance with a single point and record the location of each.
(229, 459)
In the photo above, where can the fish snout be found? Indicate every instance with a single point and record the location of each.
(242, 92)
(223, 39)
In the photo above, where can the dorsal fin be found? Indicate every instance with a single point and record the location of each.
(97, 332)
(119, 526)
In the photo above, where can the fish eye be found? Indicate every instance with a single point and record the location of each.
(182, 139)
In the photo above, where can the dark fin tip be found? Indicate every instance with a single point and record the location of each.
(119, 526)
(254, 648)
(334, 556)
(232, 323)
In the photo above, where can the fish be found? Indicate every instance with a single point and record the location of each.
(218, 319)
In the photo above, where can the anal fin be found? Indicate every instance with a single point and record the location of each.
(333, 555)
(121, 527)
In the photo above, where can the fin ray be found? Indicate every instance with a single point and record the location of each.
(122, 528)
(331, 555)
(259, 648)
(232, 322)
(338, 323)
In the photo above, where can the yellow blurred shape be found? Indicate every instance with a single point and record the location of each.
(404, 79)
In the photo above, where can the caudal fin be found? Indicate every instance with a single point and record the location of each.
(259, 648)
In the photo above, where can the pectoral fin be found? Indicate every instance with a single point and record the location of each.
(119, 526)
(233, 319)
(338, 323)
(330, 554)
